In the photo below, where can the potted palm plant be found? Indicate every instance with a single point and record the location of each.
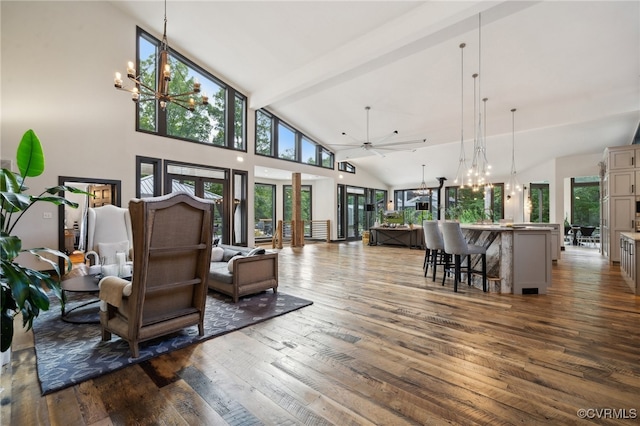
(24, 290)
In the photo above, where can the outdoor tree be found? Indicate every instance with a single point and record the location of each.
(205, 124)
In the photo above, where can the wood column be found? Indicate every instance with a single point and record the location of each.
(297, 226)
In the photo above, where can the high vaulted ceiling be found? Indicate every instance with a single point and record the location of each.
(572, 70)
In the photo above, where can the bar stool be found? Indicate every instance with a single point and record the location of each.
(435, 247)
(457, 246)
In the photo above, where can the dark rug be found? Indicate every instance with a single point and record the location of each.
(68, 354)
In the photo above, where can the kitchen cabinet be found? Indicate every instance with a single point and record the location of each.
(629, 242)
(618, 206)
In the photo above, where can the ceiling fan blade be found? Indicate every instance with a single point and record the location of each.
(359, 142)
(349, 154)
(375, 151)
(413, 142)
(384, 138)
(346, 145)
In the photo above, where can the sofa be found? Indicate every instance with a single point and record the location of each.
(238, 271)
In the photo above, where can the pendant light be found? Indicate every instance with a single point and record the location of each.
(462, 161)
(513, 185)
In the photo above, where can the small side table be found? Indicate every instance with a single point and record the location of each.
(80, 284)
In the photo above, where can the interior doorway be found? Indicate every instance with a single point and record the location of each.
(72, 223)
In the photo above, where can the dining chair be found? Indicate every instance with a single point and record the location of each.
(456, 245)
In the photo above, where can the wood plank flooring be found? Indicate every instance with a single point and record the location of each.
(381, 345)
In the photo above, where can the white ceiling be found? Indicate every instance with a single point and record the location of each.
(572, 70)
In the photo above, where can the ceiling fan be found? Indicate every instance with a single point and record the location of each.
(377, 148)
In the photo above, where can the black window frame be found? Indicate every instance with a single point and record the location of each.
(231, 94)
(157, 174)
(276, 122)
(345, 166)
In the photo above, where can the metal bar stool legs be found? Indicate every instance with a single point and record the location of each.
(469, 271)
(456, 245)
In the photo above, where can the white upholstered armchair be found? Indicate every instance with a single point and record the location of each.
(108, 232)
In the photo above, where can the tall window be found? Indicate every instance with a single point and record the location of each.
(585, 201)
(539, 196)
(264, 206)
(239, 123)
(286, 142)
(326, 158)
(264, 134)
(407, 199)
(309, 151)
(468, 206)
(207, 124)
(148, 177)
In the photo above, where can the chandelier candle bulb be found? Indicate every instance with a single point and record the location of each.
(131, 71)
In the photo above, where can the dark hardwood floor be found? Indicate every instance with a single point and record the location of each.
(380, 345)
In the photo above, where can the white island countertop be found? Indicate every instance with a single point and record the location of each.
(502, 228)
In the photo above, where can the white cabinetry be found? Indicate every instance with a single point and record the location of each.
(624, 158)
(629, 260)
(620, 185)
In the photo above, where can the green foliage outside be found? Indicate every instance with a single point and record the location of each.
(205, 124)
(468, 206)
(264, 132)
(539, 194)
(586, 205)
(305, 203)
(263, 209)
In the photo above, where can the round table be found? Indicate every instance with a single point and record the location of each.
(79, 284)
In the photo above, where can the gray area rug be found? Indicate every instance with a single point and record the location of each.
(68, 354)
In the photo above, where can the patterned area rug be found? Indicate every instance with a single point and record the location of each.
(68, 354)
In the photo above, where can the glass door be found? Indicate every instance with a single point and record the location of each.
(355, 215)
(209, 188)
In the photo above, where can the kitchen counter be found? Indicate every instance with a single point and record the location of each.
(519, 257)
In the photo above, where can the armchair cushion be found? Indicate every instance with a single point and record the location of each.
(109, 250)
(220, 271)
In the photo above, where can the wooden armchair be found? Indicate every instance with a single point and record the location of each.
(172, 251)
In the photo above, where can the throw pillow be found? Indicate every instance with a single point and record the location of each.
(232, 261)
(256, 251)
(229, 253)
(216, 254)
(109, 250)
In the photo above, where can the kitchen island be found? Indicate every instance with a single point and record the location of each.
(518, 257)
